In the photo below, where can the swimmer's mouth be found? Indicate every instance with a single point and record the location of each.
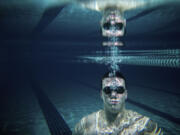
(114, 101)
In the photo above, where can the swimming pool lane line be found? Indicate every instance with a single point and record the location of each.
(55, 122)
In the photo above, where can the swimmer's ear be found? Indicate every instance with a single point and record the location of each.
(126, 94)
(101, 94)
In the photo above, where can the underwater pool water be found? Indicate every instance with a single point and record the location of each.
(76, 94)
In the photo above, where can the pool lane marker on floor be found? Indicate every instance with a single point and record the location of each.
(55, 121)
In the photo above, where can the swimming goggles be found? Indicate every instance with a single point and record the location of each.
(107, 26)
(119, 90)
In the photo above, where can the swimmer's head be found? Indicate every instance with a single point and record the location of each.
(112, 74)
(113, 23)
(113, 91)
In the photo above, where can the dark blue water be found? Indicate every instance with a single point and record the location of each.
(73, 88)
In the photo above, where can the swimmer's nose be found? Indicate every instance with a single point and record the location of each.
(113, 94)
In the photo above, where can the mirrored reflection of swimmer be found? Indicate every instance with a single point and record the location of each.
(114, 119)
(52, 8)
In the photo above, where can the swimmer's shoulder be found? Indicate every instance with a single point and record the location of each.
(152, 128)
(91, 119)
(146, 125)
(132, 115)
(85, 123)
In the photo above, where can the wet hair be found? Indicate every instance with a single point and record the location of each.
(113, 74)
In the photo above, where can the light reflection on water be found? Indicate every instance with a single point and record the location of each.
(114, 57)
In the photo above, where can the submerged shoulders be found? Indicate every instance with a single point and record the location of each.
(135, 119)
(143, 123)
(134, 115)
(88, 120)
(85, 123)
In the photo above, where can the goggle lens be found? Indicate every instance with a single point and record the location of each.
(119, 90)
(118, 26)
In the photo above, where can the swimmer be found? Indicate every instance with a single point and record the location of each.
(115, 119)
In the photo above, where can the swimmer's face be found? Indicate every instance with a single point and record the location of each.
(113, 25)
(113, 93)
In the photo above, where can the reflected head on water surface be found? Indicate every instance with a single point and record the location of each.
(113, 23)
